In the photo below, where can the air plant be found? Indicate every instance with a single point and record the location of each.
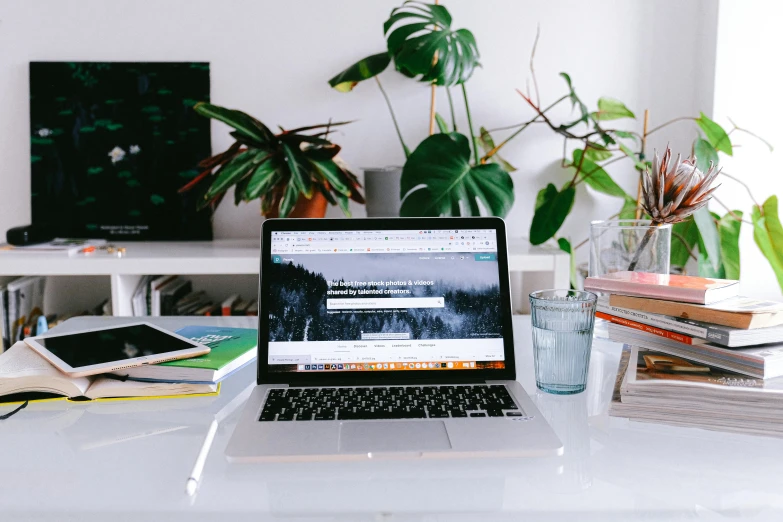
(671, 195)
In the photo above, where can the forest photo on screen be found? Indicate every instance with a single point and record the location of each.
(111, 144)
(299, 286)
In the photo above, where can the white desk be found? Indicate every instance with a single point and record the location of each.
(93, 463)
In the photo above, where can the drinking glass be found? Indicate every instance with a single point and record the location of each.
(562, 337)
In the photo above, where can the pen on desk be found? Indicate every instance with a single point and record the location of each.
(195, 476)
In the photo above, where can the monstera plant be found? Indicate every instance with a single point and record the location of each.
(444, 175)
(294, 173)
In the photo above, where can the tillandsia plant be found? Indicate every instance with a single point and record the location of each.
(444, 175)
(591, 143)
(672, 195)
(284, 170)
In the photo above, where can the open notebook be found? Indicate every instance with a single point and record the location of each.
(23, 371)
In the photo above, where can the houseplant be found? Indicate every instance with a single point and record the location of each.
(294, 173)
(444, 174)
(590, 144)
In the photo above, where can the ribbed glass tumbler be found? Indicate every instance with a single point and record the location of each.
(562, 336)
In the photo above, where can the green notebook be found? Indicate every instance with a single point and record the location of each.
(232, 348)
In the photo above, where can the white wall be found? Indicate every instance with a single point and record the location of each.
(747, 90)
(273, 58)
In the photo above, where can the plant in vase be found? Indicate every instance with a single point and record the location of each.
(445, 174)
(592, 142)
(294, 173)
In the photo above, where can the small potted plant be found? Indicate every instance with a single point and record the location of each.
(294, 173)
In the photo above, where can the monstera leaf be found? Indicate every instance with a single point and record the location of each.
(362, 70)
(438, 180)
(420, 39)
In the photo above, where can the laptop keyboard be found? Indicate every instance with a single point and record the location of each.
(394, 402)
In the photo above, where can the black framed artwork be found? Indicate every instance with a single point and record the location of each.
(112, 143)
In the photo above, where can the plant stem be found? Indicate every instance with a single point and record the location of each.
(731, 212)
(405, 148)
(524, 126)
(724, 173)
(685, 244)
(451, 108)
(675, 120)
(588, 174)
(646, 239)
(762, 140)
(470, 124)
(532, 59)
(641, 157)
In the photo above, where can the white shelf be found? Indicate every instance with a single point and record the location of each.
(226, 258)
(232, 256)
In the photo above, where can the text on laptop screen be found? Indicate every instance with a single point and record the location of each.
(390, 300)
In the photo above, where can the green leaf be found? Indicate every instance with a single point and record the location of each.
(709, 238)
(565, 246)
(362, 70)
(729, 232)
(626, 135)
(595, 176)
(705, 154)
(243, 123)
(264, 177)
(298, 165)
(487, 144)
(230, 173)
(597, 152)
(640, 165)
(442, 125)
(611, 109)
(768, 234)
(706, 268)
(680, 253)
(715, 134)
(289, 200)
(417, 32)
(575, 101)
(438, 180)
(552, 208)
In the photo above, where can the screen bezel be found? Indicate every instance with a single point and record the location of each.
(94, 369)
(264, 376)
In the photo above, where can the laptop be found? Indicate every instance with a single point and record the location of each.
(384, 339)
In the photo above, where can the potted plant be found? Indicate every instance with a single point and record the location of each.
(294, 173)
(445, 175)
(593, 141)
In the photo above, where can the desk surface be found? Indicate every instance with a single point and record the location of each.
(129, 461)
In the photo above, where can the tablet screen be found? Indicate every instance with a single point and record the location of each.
(115, 344)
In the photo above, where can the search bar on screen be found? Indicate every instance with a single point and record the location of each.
(384, 302)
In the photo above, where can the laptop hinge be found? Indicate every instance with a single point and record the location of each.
(392, 382)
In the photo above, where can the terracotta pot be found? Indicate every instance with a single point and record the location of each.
(314, 207)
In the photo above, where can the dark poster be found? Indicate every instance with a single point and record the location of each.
(111, 143)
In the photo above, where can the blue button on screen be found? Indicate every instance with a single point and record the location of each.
(485, 257)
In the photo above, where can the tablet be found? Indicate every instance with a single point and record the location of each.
(103, 350)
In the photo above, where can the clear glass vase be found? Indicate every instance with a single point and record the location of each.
(629, 244)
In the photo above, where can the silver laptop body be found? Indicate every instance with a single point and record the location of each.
(386, 339)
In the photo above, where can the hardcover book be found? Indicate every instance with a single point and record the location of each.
(686, 289)
(231, 348)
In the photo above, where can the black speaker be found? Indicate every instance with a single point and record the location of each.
(28, 235)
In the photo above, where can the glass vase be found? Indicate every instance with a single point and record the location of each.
(629, 244)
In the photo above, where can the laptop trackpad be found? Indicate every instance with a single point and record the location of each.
(393, 436)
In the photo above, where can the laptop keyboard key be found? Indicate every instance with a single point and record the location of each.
(477, 414)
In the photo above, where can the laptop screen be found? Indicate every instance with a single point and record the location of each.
(385, 300)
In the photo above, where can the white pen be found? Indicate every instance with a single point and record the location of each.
(195, 476)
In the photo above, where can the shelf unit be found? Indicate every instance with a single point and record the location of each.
(222, 267)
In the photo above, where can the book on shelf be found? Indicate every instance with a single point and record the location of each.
(231, 349)
(698, 330)
(59, 246)
(657, 387)
(680, 288)
(25, 375)
(735, 312)
(229, 303)
(173, 292)
(763, 362)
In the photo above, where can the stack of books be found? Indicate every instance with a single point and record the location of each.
(697, 353)
(27, 376)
